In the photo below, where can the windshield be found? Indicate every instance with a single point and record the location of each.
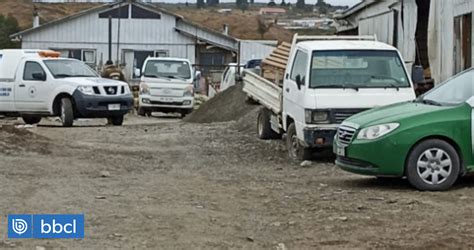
(69, 68)
(357, 69)
(454, 91)
(167, 69)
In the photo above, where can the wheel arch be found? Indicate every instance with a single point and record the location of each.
(450, 141)
(57, 102)
(289, 120)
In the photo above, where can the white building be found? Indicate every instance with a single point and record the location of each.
(436, 34)
(139, 30)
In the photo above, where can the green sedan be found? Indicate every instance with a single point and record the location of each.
(429, 140)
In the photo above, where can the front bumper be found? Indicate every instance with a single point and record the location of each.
(94, 106)
(319, 137)
(383, 157)
(163, 102)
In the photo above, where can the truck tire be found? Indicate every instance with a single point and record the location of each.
(296, 151)
(116, 120)
(30, 120)
(433, 165)
(67, 112)
(264, 128)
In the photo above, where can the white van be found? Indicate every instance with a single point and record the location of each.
(166, 86)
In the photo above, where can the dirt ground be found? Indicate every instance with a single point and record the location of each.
(161, 183)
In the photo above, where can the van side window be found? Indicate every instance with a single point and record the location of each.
(299, 66)
(32, 68)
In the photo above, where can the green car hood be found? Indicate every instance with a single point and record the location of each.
(393, 113)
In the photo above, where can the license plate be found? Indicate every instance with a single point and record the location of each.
(166, 99)
(339, 150)
(114, 106)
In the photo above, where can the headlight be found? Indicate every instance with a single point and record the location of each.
(144, 89)
(312, 116)
(86, 90)
(189, 91)
(377, 131)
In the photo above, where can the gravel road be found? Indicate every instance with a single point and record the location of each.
(160, 183)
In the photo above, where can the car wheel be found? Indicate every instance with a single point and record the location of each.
(296, 151)
(31, 119)
(141, 111)
(116, 120)
(264, 128)
(433, 165)
(67, 112)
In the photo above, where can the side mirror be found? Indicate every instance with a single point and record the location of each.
(39, 76)
(137, 72)
(299, 81)
(197, 75)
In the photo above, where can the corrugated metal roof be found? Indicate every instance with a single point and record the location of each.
(356, 8)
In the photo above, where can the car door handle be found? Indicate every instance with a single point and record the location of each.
(287, 90)
(21, 85)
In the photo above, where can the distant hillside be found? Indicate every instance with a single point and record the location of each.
(241, 25)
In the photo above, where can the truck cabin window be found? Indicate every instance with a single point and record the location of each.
(167, 69)
(357, 69)
(33, 72)
(69, 68)
(454, 91)
(299, 66)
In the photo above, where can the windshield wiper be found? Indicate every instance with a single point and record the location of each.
(62, 75)
(430, 102)
(338, 86)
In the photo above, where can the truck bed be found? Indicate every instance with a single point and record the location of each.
(263, 91)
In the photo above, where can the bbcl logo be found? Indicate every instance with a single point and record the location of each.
(46, 226)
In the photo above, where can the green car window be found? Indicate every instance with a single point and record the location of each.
(455, 91)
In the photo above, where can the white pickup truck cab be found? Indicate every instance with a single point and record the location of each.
(166, 86)
(327, 80)
(37, 83)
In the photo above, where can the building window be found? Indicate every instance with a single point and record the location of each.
(86, 55)
(140, 13)
(121, 12)
(462, 42)
(161, 53)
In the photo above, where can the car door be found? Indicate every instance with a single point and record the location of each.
(32, 88)
(293, 95)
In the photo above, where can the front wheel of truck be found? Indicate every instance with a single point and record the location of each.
(296, 150)
(116, 120)
(30, 120)
(67, 112)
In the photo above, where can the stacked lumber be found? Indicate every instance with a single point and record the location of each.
(273, 67)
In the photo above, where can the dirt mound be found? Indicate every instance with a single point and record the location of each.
(248, 123)
(228, 105)
(14, 141)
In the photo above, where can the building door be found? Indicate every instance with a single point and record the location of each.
(210, 61)
(462, 42)
(139, 59)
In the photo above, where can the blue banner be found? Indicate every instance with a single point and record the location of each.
(46, 226)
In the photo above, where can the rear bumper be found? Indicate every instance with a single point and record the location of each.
(319, 137)
(92, 106)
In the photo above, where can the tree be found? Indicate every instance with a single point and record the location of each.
(321, 3)
(8, 26)
(283, 3)
(271, 3)
(242, 4)
(300, 4)
(200, 4)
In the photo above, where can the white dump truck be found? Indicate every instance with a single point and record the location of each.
(38, 83)
(325, 81)
(166, 85)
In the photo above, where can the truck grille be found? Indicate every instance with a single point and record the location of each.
(339, 115)
(345, 135)
(111, 90)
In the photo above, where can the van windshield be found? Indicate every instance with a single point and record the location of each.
(357, 69)
(167, 69)
(69, 68)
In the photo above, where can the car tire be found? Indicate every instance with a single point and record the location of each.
(67, 112)
(141, 111)
(116, 120)
(296, 151)
(264, 127)
(433, 165)
(30, 120)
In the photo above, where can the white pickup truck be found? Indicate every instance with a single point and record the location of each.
(38, 83)
(327, 80)
(166, 85)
